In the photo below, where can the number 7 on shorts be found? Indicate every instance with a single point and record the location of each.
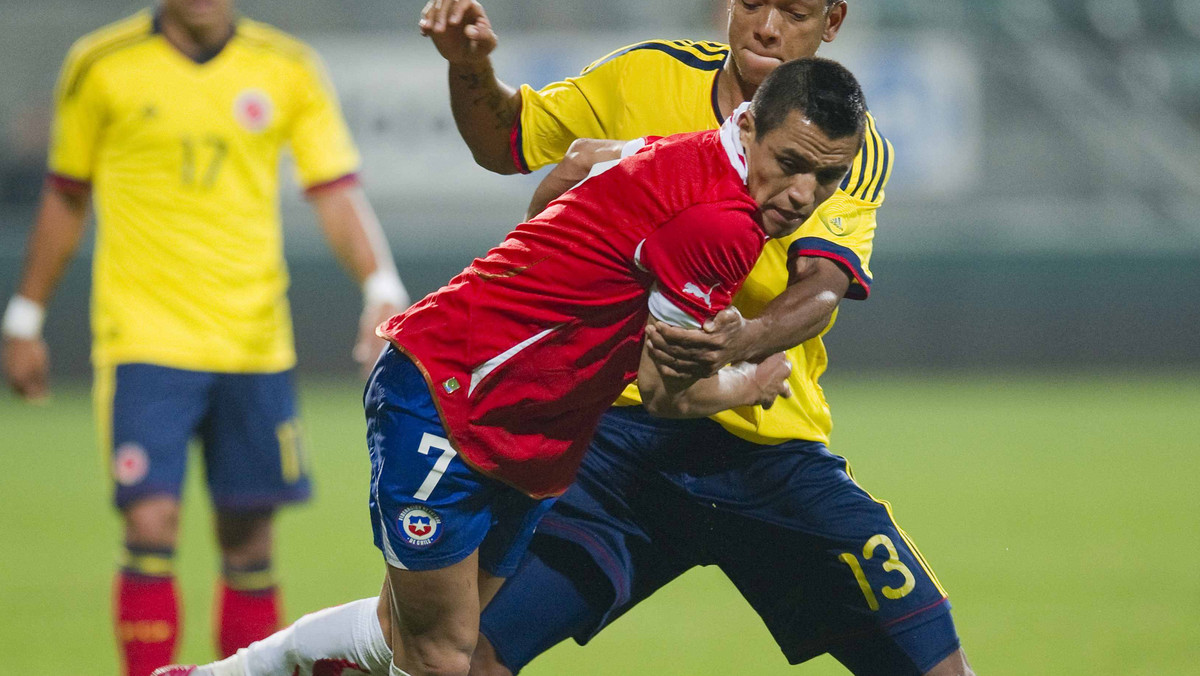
(429, 441)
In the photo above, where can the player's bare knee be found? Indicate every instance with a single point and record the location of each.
(152, 522)
(244, 537)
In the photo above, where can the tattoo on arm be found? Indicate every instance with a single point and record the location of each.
(489, 97)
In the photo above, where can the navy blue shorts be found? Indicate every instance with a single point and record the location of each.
(246, 423)
(429, 508)
(820, 560)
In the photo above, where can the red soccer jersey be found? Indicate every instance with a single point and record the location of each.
(526, 348)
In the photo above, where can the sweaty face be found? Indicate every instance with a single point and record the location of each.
(792, 169)
(200, 14)
(766, 33)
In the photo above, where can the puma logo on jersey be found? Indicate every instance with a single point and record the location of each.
(706, 296)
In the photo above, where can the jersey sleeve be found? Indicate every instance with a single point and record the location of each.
(79, 118)
(699, 259)
(320, 141)
(577, 107)
(843, 228)
(872, 168)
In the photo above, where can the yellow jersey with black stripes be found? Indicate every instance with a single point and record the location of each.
(183, 160)
(663, 87)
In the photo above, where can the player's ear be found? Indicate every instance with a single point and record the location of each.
(834, 16)
(746, 128)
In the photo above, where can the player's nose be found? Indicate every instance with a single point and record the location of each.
(767, 30)
(802, 191)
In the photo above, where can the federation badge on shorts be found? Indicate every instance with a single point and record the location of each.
(130, 464)
(253, 110)
(420, 526)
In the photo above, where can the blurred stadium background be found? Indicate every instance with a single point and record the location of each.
(1024, 383)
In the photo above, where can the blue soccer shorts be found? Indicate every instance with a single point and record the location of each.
(246, 423)
(429, 508)
(820, 560)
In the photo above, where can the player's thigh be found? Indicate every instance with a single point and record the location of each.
(826, 566)
(253, 450)
(429, 508)
(146, 415)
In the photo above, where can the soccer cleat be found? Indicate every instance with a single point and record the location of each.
(175, 670)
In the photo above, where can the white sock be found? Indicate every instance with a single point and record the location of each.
(348, 632)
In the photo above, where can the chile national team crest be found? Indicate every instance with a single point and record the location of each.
(421, 526)
(253, 110)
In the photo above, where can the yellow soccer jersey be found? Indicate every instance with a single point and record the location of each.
(665, 87)
(183, 160)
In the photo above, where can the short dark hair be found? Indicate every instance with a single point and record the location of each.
(821, 90)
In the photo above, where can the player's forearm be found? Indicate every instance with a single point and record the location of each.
(56, 234)
(731, 387)
(353, 231)
(793, 317)
(801, 312)
(673, 397)
(357, 239)
(485, 110)
(581, 157)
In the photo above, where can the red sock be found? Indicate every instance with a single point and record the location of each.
(147, 621)
(244, 617)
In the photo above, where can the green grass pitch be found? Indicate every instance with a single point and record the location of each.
(1062, 514)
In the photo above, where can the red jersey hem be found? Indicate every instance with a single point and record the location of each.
(437, 403)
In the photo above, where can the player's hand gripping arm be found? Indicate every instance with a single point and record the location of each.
(802, 311)
(576, 165)
(356, 238)
(55, 237)
(668, 395)
(485, 109)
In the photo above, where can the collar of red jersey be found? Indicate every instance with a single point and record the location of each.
(731, 140)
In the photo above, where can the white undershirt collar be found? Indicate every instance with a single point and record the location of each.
(731, 140)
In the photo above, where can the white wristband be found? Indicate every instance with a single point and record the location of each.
(23, 319)
(383, 287)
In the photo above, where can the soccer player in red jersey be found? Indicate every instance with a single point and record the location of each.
(479, 412)
(821, 561)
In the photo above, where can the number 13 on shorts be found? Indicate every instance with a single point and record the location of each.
(892, 564)
(430, 442)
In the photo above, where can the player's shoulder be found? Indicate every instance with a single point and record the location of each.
(702, 55)
(130, 29)
(273, 41)
(695, 169)
(96, 46)
(872, 167)
(688, 159)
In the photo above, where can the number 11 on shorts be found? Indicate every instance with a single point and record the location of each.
(429, 441)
